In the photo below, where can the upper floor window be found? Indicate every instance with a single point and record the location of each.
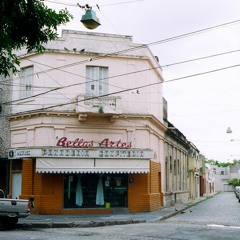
(170, 164)
(96, 80)
(26, 82)
(175, 167)
(178, 166)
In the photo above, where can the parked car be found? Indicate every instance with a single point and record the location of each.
(237, 192)
(11, 210)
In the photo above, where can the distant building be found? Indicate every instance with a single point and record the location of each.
(210, 179)
(222, 175)
(202, 175)
(194, 165)
(235, 170)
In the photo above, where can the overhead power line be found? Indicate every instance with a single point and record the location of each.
(143, 70)
(144, 45)
(104, 5)
(138, 47)
(167, 65)
(126, 50)
(201, 58)
(135, 88)
(138, 71)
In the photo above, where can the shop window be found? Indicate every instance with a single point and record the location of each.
(95, 190)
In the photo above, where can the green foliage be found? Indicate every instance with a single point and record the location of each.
(219, 164)
(234, 182)
(224, 164)
(236, 161)
(26, 23)
(211, 161)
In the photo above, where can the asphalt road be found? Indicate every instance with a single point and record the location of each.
(216, 218)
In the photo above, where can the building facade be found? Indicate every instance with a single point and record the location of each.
(87, 131)
(194, 165)
(5, 85)
(175, 168)
(224, 174)
(210, 179)
(202, 175)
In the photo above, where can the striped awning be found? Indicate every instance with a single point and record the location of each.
(63, 165)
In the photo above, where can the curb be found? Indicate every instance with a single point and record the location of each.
(86, 224)
(76, 224)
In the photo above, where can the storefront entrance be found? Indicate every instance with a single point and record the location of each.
(95, 190)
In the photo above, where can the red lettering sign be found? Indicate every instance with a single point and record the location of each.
(81, 143)
(64, 142)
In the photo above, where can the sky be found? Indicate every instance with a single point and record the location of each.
(198, 46)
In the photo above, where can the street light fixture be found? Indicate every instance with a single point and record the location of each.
(89, 19)
(229, 130)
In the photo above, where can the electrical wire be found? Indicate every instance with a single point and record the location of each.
(100, 6)
(139, 47)
(121, 75)
(201, 58)
(162, 66)
(139, 87)
(185, 62)
(144, 45)
(136, 88)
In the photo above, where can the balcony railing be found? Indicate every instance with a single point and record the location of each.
(92, 104)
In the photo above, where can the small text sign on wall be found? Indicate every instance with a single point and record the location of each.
(105, 153)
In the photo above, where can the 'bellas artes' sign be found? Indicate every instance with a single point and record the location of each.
(81, 143)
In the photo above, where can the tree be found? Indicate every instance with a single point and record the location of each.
(219, 164)
(234, 182)
(26, 23)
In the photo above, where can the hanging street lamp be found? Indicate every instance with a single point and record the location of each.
(229, 130)
(89, 19)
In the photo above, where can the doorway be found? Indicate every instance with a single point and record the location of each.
(16, 184)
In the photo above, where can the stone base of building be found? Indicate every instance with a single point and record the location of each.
(172, 198)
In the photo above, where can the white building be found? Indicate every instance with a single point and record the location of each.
(87, 126)
(223, 174)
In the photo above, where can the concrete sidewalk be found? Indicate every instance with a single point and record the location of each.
(96, 220)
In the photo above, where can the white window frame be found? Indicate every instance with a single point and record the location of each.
(96, 80)
(26, 82)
